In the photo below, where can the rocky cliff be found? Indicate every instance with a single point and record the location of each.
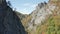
(44, 19)
(9, 21)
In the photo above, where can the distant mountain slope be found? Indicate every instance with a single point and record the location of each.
(20, 15)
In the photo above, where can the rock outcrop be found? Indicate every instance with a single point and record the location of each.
(9, 21)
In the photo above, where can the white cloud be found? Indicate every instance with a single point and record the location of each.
(26, 4)
(28, 8)
(29, 5)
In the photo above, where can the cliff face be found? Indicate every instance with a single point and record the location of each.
(9, 21)
(43, 20)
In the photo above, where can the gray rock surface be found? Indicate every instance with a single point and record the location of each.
(9, 21)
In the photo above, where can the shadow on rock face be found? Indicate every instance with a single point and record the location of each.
(9, 22)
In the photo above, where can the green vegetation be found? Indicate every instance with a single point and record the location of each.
(51, 26)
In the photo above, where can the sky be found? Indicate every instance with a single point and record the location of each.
(25, 6)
